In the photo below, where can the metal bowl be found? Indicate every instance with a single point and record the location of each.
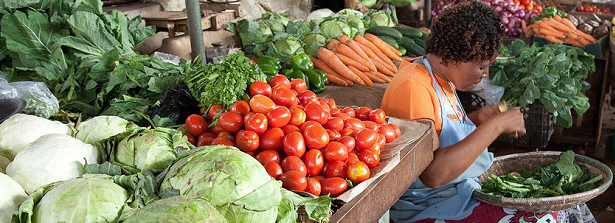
(10, 106)
(513, 163)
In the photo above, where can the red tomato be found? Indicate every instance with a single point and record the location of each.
(352, 157)
(341, 115)
(268, 156)
(308, 123)
(293, 180)
(371, 125)
(363, 113)
(315, 112)
(230, 121)
(291, 163)
(273, 169)
(261, 104)
(376, 148)
(350, 112)
(247, 140)
(333, 135)
(306, 96)
(333, 186)
(242, 107)
(196, 124)
(348, 141)
(354, 124)
(369, 157)
(334, 123)
(314, 162)
(319, 177)
(397, 130)
(335, 151)
(388, 132)
(347, 132)
(260, 87)
(377, 116)
(279, 80)
(222, 141)
(336, 169)
(226, 135)
(382, 140)
(216, 129)
(316, 137)
(538, 8)
(283, 96)
(191, 139)
(208, 134)
(365, 138)
(525, 2)
(205, 141)
(298, 85)
(358, 172)
(272, 139)
(325, 106)
(334, 111)
(313, 185)
(297, 116)
(294, 145)
(290, 128)
(214, 110)
(278, 116)
(331, 103)
(256, 122)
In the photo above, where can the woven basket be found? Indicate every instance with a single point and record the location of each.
(505, 164)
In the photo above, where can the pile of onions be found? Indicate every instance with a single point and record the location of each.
(507, 9)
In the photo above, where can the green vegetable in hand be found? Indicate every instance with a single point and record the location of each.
(302, 62)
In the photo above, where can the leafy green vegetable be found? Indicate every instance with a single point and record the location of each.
(178, 209)
(554, 74)
(556, 178)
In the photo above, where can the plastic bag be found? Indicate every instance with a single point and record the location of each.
(491, 93)
(41, 102)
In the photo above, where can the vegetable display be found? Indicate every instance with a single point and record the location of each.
(559, 30)
(12, 137)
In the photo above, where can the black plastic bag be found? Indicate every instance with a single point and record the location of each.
(177, 104)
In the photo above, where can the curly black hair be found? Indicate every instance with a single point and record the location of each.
(466, 32)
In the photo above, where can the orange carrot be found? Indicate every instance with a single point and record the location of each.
(344, 39)
(366, 49)
(350, 53)
(381, 76)
(586, 36)
(381, 67)
(557, 25)
(548, 31)
(557, 18)
(336, 75)
(382, 46)
(355, 46)
(351, 62)
(374, 49)
(332, 44)
(553, 39)
(373, 77)
(568, 23)
(524, 26)
(361, 75)
(336, 80)
(318, 64)
(329, 58)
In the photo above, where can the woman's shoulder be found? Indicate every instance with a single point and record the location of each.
(413, 73)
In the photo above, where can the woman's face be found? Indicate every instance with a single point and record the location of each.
(469, 74)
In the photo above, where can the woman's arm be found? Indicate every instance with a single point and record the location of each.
(482, 114)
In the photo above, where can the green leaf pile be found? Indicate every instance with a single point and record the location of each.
(554, 74)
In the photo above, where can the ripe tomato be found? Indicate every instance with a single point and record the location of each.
(260, 87)
(297, 116)
(290, 128)
(306, 96)
(278, 116)
(377, 116)
(293, 180)
(313, 185)
(272, 139)
(196, 124)
(349, 111)
(308, 123)
(371, 125)
(538, 8)
(298, 85)
(319, 177)
(226, 135)
(216, 129)
(365, 138)
(256, 122)
(268, 156)
(204, 141)
(333, 186)
(341, 115)
(363, 113)
(352, 157)
(388, 132)
(333, 135)
(247, 140)
(348, 141)
(279, 80)
(191, 139)
(335, 151)
(334, 111)
(331, 103)
(214, 110)
(397, 130)
(230, 121)
(315, 112)
(273, 169)
(354, 124)
(369, 157)
(261, 104)
(382, 140)
(283, 96)
(336, 169)
(314, 162)
(222, 141)
(291, 163)
(358, 172)
(334, 123)
(347, 132)
(294, 145)
(242, 107)
(316, 137)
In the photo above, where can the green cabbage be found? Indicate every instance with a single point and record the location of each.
(178, 209)
(313, 42)
(333, 28)
(3, 163)
(378, 18)
(20, 129)
(11, 196)
(100, 127)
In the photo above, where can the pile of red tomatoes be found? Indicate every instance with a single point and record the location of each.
(307, 142)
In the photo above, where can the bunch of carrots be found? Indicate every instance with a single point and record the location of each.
(362, 60)
(558, 30)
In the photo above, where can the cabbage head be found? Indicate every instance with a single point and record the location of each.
(178, 209)
(378, 18)
(88, 199)
(100, 127)
(51, 158)
(20, 129)
(11, 196)
(3, 163)
(333, 28)
(313, 42)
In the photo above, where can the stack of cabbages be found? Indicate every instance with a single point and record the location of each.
(107, 169)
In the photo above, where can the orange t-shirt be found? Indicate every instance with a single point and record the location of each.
(412, 94)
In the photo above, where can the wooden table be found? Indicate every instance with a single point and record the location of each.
(169, 20)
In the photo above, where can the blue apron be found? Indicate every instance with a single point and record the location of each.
(452, 201)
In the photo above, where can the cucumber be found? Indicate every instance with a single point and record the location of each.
(409, 32)
(411, 47)
(402, 50)
(424, 36)
(419, 42)
(385, 31)
(390, 41)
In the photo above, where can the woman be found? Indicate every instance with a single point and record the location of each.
(465, 40)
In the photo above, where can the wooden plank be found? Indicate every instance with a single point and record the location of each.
(220, 20)
(220, 7)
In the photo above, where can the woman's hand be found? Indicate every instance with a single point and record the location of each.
(481, 115)
(510, 122)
